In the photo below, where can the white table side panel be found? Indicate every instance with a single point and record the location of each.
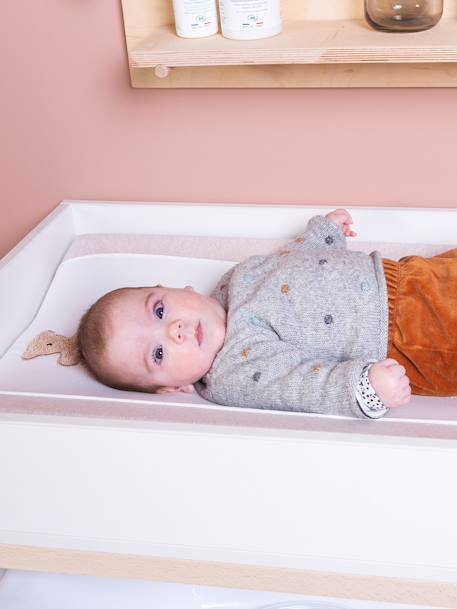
(25, 273)
(286, 499)
(397, 225)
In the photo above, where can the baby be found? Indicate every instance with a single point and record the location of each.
(313, 327)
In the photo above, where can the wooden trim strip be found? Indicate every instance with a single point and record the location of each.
(251, 577)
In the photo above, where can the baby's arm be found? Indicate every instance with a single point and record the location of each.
(275, 375)
(325, 232)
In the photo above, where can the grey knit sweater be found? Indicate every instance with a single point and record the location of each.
(302, 323)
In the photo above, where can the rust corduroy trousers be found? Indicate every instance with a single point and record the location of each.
(422, 296)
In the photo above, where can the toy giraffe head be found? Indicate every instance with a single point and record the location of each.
(49, 342)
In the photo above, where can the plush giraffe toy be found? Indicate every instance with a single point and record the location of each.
(49, 342)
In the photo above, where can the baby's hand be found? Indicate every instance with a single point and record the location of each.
(390, 382)
(342, 218)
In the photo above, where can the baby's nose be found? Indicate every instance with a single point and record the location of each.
(176, 331)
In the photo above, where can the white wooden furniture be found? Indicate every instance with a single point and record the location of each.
(323, 44)
(179, 491)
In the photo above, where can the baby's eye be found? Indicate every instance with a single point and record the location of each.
(159, 309)
(158, 355)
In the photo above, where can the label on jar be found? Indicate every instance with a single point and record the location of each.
(250, 14)
(194, 17)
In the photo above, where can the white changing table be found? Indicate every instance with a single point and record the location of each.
(176, 490)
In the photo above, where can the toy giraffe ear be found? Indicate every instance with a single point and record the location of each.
(49, 342)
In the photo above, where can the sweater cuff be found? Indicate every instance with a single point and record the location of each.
(327, 233)
(368, 400)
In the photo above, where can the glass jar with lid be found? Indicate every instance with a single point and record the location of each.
(403, 15)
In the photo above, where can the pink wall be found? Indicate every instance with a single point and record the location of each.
(74, 129)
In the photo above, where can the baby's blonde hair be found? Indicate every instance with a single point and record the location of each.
(92, 336)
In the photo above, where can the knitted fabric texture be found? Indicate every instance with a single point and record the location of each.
(302, 324)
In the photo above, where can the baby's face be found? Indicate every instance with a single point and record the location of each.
(164, 337)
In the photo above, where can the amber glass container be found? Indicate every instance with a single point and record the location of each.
(404, 15)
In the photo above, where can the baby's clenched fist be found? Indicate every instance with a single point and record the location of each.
(390, 382)
(343, 219)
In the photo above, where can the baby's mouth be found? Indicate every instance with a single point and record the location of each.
(199, 334)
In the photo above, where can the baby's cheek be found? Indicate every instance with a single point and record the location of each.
(187, 362)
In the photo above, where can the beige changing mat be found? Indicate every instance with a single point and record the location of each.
(221, 248)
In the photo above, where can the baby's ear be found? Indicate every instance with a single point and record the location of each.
(181, 389)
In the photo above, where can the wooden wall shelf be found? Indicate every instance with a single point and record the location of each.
(310, 52)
